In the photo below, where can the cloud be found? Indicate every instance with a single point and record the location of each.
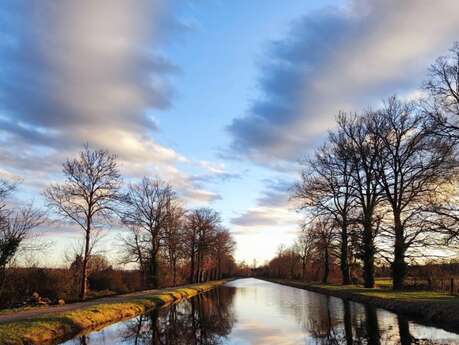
(87, 72)
(339, 59)
(255, 217)
(276, 193)
(272, 210)
(78, 68)
(72, 75)
(215, 172)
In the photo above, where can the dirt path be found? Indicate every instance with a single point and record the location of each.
(45, 311)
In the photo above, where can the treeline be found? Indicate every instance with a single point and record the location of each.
(383, 187)
(167, 243)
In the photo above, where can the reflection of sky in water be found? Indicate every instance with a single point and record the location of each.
(263, 316)
(250, 311)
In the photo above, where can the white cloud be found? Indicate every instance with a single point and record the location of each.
(88, 72)
(340, 59)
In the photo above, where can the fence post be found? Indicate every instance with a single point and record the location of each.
(452, 286)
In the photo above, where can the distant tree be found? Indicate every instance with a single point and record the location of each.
(304, 248)
(147, 212)
(200, 231)
(96, 263)
(174, 247)
(223, 250)
(15, 228)
(323, 230)
(6, 187)
(87, 196)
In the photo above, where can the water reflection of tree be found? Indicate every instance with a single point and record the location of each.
(357, 324)
(323, 326)
(204, 320)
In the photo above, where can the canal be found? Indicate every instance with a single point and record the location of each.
(252, 311)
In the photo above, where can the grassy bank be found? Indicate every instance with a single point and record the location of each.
(54, 327)
(435, 308)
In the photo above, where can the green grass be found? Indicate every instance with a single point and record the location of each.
(383, 283)
(42, 330)
(433, 298)
(430, 296)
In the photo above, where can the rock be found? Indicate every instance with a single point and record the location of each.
(44, 301)
(35, 297)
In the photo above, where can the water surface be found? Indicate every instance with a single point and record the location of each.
(252, 311)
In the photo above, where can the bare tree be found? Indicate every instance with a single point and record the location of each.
(133, 250)
(147, 213)
(442, 85)
(304, 247)
(323, 230)
(442, 108)
(223, 250)
(87, 196)
(443, 215)
(174, 237)
(201, 226)
(326, 189)
(362, 148)
(412, 166)
(15, 228)
(6, 187)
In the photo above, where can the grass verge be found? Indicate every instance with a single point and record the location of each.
(60, 326)
(429, 307)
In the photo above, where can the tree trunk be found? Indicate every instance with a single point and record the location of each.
(368, 254)
(84, 269)
(326, 266)
(219, 268)
(192, 269)
(198, 270)
(303, 268)
(344, 255)
(174, 272)
(399, 266)
(202, 276)
(144, 275)
(154, 271)
(2, 279)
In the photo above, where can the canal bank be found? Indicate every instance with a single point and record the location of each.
(252, 311)
(434, 308)
(55, 324)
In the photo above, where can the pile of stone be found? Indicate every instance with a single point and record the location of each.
(37, 300)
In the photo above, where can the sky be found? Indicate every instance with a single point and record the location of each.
(220, 98)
